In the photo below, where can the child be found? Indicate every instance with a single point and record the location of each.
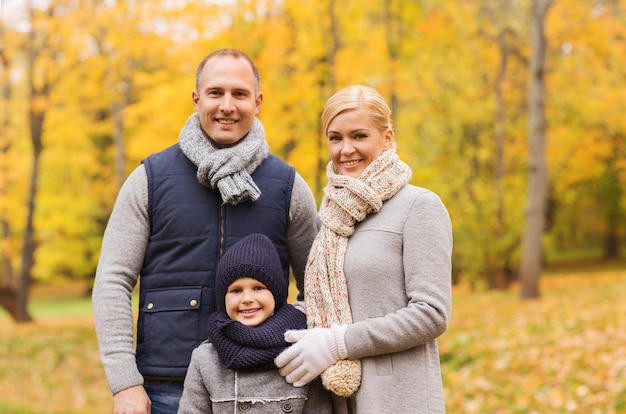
(234, 371)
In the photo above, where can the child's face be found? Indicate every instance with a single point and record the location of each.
(249, 301)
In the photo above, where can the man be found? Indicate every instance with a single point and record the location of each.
(174, 217)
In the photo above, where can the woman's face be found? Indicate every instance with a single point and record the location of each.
(354, 142)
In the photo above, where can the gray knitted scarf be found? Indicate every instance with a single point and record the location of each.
(226, 169)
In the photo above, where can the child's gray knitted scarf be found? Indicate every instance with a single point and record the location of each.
(226, 169)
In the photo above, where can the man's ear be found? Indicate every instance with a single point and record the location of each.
(259, 101)
(195, 98)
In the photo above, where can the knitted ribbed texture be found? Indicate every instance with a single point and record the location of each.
(253, 347)
(346, 202)
(225, 169)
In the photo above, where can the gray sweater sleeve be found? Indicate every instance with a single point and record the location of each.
(121, 257)
(302, 230)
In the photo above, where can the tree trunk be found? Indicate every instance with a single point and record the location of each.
(37, 106)
(610, 191)
(120, 153)
(536, 193)
(394, 33)
(36, 117)
(500, 274)
(29, 245)
(7, 277)
(327, 83)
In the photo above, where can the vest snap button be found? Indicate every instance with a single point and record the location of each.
(244, 406)
(287, 408)
(193, 302)
(150, 305)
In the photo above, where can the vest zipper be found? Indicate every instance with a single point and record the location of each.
(222, 221)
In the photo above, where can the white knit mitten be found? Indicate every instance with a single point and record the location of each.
(313, 351)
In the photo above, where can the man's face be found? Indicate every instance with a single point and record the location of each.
(226, 99)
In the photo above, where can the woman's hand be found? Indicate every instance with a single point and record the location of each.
(313, 351)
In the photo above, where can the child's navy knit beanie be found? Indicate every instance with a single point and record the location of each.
(253, 256)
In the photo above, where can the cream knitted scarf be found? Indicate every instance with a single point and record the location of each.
(226, 169)
(346, 202)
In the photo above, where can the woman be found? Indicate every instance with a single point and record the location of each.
(378, 279)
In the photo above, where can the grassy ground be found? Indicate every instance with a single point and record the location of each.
(52, 365)
(563, 353)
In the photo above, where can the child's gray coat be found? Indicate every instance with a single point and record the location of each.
(211, 388)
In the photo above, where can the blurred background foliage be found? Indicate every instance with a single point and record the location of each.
(89, 88)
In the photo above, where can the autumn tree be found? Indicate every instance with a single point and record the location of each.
(537, 189)
(327, 80)
(47, 58)
(111, 81)
(586, 151)
(8, 38)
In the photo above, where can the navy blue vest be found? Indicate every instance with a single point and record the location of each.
(190, 230)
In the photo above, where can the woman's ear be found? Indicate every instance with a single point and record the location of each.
(388, 139)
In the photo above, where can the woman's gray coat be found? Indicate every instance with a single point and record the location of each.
(398, 271)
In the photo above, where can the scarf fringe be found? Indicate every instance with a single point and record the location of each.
(342, 378)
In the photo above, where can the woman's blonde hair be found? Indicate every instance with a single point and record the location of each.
(358, 97)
